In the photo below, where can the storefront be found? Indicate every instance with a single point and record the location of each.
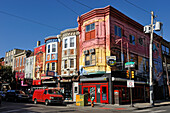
(98, 87)
(140, 92)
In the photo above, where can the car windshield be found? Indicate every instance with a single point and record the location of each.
(53, 92)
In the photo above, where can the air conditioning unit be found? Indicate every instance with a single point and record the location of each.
(92, 50)
(86, 52)
(147, 29)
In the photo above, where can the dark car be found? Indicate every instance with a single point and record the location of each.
(0, 100)
(30, 94)
(16, 96)
(3, 95)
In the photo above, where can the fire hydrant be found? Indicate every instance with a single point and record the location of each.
(92, 101)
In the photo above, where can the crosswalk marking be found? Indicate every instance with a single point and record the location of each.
(150, 111)
(142, 110)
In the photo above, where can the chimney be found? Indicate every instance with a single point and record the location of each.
(38, 43)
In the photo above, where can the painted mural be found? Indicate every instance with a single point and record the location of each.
(157, 64)
(39, 58)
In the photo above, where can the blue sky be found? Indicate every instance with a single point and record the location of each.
(17, 33)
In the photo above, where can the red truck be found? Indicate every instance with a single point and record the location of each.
(47, 96)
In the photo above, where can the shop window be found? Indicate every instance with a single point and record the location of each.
(65, 43)
(48, 48)
(53, 66)
(53, 47)
(90, 31)
(118, 31)
(132, 39)
(65, 64)
(71, 63)
(72, 42)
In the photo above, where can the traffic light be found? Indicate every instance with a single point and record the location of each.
(132, 74)
(127, 73)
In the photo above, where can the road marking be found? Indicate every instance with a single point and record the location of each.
(104, 108)
(12, 110)
(143, 110)
(159, 111)
(119, 108)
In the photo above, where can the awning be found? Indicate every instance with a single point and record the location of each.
(125, 80)
(93, 79)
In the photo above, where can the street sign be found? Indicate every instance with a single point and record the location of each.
(130, 83)
(129, 64)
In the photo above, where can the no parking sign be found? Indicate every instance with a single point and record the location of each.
(130, 83)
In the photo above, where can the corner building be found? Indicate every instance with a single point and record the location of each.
(104, 33)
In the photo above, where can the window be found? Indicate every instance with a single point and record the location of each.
(48, 48)
(65, 43)
(71, 63)
(167, 51)
(90, 31)
(30, 76)
(87, 59)
(53, 66)
(21, 61)
(118, 31)
(24, 61)
(90, 27)
(65, 64)
(90, 59)
(140, 41)
(53, 47)
(71, 42)
(48, 65)
(132, 39)
(18, 63)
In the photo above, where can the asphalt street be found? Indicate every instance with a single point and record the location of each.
(11, 107)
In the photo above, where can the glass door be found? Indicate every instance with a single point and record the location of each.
(104, 94)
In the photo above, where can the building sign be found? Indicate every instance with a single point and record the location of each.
(111, 60)
(39, 49)
(36, 82)
(130, 83)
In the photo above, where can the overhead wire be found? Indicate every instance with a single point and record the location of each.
(29, 20)
(137, 6)
(82, 4)
(67, 7)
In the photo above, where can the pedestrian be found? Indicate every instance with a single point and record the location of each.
(92, 96)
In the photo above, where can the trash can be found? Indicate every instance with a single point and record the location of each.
(81, 99)
(116, 97)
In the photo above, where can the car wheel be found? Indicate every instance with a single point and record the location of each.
(35, 101)
(46, 102)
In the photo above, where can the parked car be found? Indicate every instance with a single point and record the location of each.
(47, 96)
(16, 96)
(3, 94)
(30, 94)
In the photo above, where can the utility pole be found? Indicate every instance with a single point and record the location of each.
(151, 61)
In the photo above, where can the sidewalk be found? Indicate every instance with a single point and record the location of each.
(122, 107)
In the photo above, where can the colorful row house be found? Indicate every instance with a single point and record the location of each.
(69, 65)
(104, 33)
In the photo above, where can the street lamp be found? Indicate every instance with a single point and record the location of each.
(150, 29)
